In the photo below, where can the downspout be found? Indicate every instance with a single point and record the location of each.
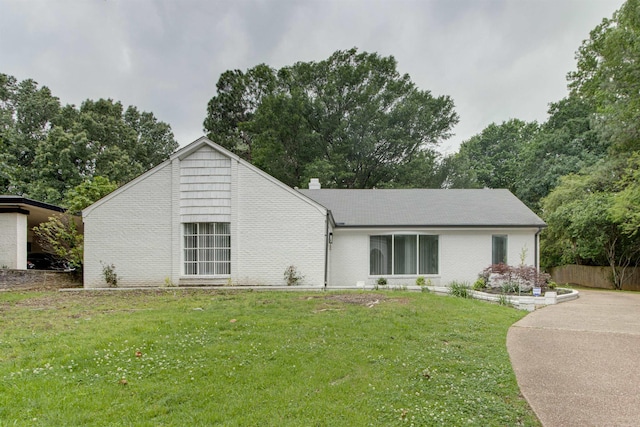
(326, 250)
(536, 250)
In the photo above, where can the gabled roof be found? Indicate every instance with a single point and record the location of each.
(425, 208)
(185, 152)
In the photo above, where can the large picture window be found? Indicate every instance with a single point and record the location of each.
(499, 249)
(403, 254)
(207, 248)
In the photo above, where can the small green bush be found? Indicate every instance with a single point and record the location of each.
(460, 289)
(480, 284)
(552, 285)
(424, 284)
(509, 287)
(292, 277)
(382, 281)
(109, 274)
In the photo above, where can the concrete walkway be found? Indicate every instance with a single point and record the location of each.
(578, 363)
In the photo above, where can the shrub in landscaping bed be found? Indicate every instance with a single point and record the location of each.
(508, 278)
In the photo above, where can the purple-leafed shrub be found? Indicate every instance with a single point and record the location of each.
(524, 277)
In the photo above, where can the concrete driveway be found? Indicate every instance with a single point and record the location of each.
(578, 363)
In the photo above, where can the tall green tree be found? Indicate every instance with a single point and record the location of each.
(154, 140)
(238, 96)
(283, 138)
(625, 208)
(493, 158)
(427, 169)
(608, 75)
(88, 192)
(26, 115)
(565, 144)
(46, 149)
(351, 120)
(583, 227)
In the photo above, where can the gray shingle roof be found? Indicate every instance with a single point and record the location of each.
(425, 207)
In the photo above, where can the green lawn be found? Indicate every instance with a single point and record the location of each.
(182, 357)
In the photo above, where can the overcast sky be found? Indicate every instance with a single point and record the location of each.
(497, 59)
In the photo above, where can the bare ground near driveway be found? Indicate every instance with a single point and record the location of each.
(578, 363)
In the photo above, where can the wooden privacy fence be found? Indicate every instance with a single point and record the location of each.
(595, 277)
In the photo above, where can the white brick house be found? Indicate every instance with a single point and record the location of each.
(207, 217)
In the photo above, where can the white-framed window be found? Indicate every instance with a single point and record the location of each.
(499, 249)
(207, 248)
(403, 254)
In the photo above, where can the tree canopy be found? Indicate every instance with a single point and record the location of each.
(590, 221)
(351, 120)
(566, 143)
(493, 158)
(47, 149)
(608, 76)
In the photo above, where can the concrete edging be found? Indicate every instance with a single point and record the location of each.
(522, 302)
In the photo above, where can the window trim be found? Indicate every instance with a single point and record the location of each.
(417, 236)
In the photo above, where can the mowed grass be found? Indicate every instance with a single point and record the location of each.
(256, 359)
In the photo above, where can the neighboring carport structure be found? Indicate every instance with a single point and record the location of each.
(18, 216)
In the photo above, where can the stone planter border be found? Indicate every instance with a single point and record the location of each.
(522, 302)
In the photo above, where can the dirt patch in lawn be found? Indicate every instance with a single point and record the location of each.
(54, 299)
(367, 299)
(38, 280)
(360, 299)
(336, 302)
(40, 302)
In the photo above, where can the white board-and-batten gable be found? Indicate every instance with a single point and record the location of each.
(205, 186)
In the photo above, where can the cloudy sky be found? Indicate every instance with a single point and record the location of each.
(497, 59)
